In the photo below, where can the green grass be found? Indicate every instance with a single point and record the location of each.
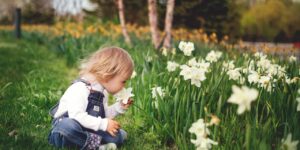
(33, 77)
(40, 68)
(261, 128)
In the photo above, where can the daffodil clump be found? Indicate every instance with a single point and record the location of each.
(254, 98)
(195, 71)
(259, 71)
(256, 75)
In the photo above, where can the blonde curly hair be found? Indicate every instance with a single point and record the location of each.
(107, 62)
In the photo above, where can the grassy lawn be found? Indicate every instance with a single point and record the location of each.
(32, 80)
(36, 70)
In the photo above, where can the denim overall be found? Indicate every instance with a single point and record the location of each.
(67, 132)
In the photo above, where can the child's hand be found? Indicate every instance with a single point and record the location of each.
(126, 106)
(112, 127)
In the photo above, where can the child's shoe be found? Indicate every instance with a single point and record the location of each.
(108, 146)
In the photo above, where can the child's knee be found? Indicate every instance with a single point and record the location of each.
(123, 134)
(63, 131)
(118, 139)
(67, 127)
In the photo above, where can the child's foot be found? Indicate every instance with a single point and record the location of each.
(108, 146)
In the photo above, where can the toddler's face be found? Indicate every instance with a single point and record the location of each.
(115, 84)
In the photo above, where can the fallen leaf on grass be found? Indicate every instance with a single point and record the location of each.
(12, 133)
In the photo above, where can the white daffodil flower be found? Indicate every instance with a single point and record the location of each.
(251, 66)
(260, 55)
(193, 62)
(186, 47)
(186, 72)
(213, 56)
(253, 77)
(124, 95)
(264, 63)
(288, 144)
(199, 128)
(157, 91)
(228, 65)
(202, 142)
(172, 66)
(149, 58)
(204, 66)
(243, 97)
(197, 75)
(164, 51)
(133, 75)
(292, 58)
(265, 82)
(234, 74)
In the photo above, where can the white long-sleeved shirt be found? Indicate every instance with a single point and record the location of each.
(75, 101)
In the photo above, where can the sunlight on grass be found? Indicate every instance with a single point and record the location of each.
(196, 87)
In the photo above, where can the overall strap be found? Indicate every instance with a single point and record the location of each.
(81, 80)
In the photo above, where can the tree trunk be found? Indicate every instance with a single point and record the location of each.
(122, 21)
(17, 23)
(153, 22)
(168, 23)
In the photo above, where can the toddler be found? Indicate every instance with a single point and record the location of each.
(82, 118)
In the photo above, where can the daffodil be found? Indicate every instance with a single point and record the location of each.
(288, 144)
(264, 63)
(164, 51)
(124, 95)
(185, 72)
(197, 75)
(253, 77)
(199, 128)
(243, 98)
(157, 91)
(228, 65)
(234, 74)
(204, 66)
(202, 141)
(172, 66)
(133, 75)
(265, 82)
(292, 58)
(259, 55)
(213, 56)
(193, 62)
(149, 58)
(186, 47)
